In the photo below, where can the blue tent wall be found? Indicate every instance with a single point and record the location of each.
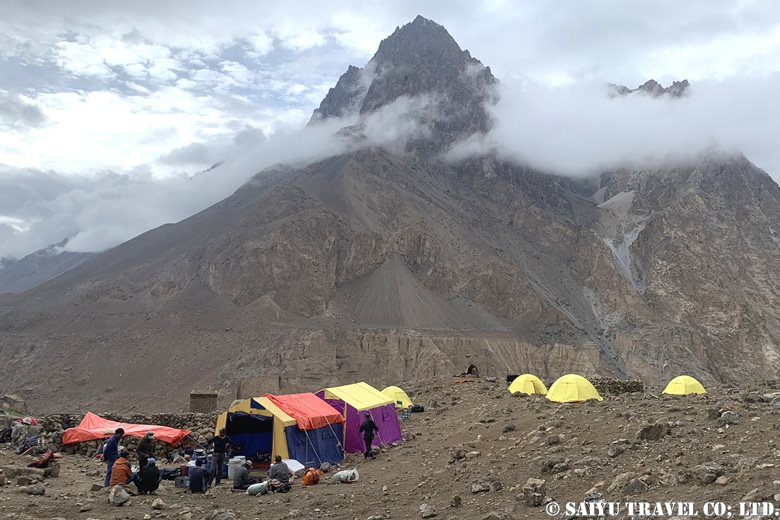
(313, 447)
(254, 433)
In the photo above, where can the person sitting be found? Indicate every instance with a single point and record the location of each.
(147, 480)
(121, 472)
(199, 477)
(280, 474)
(241, 478)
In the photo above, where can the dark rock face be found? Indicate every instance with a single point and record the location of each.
(343, 99)
(420, 59)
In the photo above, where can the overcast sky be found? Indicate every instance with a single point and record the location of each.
(106, 108)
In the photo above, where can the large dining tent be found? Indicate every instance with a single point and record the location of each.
(318, 434)
(298, 426)
(257, 426)
(353, 402)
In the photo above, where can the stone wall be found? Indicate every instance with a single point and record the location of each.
(201, 424)
(607, 385)
(203, 402)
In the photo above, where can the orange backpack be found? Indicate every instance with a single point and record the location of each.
(311, 477)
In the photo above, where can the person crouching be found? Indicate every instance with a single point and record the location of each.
(148, 478)
(199, 478)
(241, 478)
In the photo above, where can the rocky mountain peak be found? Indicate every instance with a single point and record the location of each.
(418, 60)
(652, 88)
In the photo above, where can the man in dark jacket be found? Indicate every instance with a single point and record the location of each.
(199, 478)
(148, 478)
(368, 428)
(279, 474)
(241, 478)
(145, 449)
(221, 443)
(111, 453)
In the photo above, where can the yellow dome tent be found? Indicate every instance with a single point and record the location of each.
(684, 385)
(572, 388)
(527, 384)
(398, 396)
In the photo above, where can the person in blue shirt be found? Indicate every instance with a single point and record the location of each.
(111, 453)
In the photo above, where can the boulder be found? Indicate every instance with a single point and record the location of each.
(221, 514)
(653, 432)
(456, 501)
(708, 472)
(534, 491)
(118, 496)
(35, 489)
(427, 511)
(635, 486)
(614, 451)
(620, 481)
(158, 504)
(728, 417)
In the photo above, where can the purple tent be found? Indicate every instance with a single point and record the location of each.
(353, 402)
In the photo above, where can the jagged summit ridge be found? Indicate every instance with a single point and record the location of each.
(419, 59)
(652, 88)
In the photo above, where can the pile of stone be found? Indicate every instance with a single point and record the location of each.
(202, 426)
(608, 385)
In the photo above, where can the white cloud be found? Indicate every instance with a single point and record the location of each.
(580, 130)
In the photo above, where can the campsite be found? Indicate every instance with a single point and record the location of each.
(470, 454)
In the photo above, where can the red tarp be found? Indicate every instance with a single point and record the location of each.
(95, 427)
(309, 411)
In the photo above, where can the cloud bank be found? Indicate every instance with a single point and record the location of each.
(580, 130)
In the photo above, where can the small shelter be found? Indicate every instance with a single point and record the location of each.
(310, 433)
(572, 388)
(319, 429)
(93, 427)
(399, 397)
(527, 384)
(353, 402)
(684, 385)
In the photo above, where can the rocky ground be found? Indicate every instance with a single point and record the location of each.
(471, 453)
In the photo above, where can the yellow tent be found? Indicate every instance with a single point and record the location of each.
(361, 396)
(527, 384)
(262, 406)
(572, 388)
(684, 385)
(398, 396)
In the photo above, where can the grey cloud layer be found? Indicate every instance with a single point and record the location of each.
(580, 130)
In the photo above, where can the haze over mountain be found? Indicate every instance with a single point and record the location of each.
(388, 262)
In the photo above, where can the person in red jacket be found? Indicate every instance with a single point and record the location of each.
(121, 472)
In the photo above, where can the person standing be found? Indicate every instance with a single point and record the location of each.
(111, 453)
(368, 428)
(221, 443)
(145, 449)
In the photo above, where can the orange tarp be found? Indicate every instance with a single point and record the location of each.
(309, 411)
(95, 427)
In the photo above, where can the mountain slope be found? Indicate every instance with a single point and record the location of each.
(388, 266)
(17, 276)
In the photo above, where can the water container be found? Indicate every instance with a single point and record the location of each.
(232, 465)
